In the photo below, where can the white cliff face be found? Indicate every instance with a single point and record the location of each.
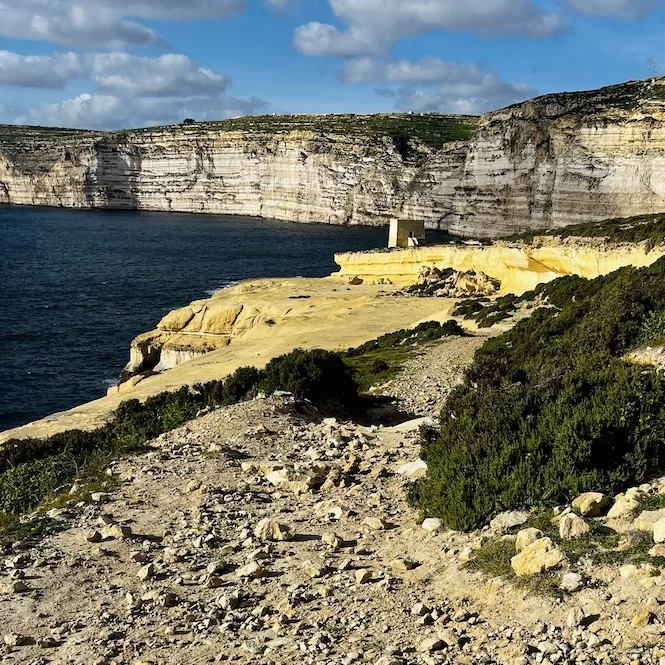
(557, 160)
(301, 176)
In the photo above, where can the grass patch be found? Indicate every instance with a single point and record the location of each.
(380, 360)
(642, 228)
(486, 312)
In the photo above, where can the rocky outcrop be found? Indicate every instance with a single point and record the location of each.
(518, 266)
(550, 162)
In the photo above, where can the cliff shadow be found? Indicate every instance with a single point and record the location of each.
(115, 179)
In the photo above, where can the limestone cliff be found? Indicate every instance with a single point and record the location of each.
(518, 266)
(550, 162)
(546, 163)
(333, 169)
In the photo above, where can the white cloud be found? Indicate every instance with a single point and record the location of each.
(168, 75)
(39, 71)
(627, 9)
(449, 87)
(372, 26)
(120, 74)
(102, 23)
(111, 112)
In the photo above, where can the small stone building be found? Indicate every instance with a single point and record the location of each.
(406, 233)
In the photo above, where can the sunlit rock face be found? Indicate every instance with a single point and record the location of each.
(557, 160)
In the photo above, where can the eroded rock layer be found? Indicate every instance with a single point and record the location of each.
(550, 162)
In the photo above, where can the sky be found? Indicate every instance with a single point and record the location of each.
(108, 64)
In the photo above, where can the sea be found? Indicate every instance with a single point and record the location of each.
(76, 286)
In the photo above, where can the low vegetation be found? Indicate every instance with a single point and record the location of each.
(35, 473)
(486, 312)
(643, 228)
(551, 409)
(380, 360)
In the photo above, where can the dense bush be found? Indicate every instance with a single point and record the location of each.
(550, 408)
(319, 376)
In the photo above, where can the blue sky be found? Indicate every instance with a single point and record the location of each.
(120, 63)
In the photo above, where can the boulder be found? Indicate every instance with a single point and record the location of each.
(624, 506)
(572, 526)
(526, 537)
(509, 520)
(647, 520)
(592, 504)
(538, 557)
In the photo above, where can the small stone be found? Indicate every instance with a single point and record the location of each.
(363, 576)
(538, 557)
(376, 524)
(657, 550)
(413, 470)
(252, 571)
(146, 573)
(117, 532)
(214, 582)
(659, 531)
(16, 586)
(642, 619)
(16, 640)
(432, 524)
(269, 530)
(647, 520)
(448, 637)
(509, 520)
(313, 570)
(591, 504)
(332, 540)
(576, 617)
(624, 506)
(94, 537)
(401, 566)
(430, 645)
(192, 486)
(571, 582)
(572, 526)
(99, 497)
(526, 537)
(420, 610)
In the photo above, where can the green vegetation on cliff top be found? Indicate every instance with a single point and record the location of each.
(642, 228)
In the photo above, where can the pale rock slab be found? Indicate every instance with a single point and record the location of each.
(538, 557)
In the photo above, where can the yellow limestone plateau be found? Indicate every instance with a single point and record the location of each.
(274, 317)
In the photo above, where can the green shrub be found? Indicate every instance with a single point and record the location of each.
(240, 385)
(319, 376)
(653, 327)
(550, 409)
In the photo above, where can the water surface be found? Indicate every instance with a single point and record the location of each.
(77, 286)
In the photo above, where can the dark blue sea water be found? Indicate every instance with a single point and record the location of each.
(77, 286)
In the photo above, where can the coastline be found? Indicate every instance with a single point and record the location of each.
(254, 321)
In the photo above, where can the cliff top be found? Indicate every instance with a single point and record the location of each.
(647, 95)
(433, 130)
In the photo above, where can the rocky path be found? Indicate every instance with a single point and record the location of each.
(257, 535)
